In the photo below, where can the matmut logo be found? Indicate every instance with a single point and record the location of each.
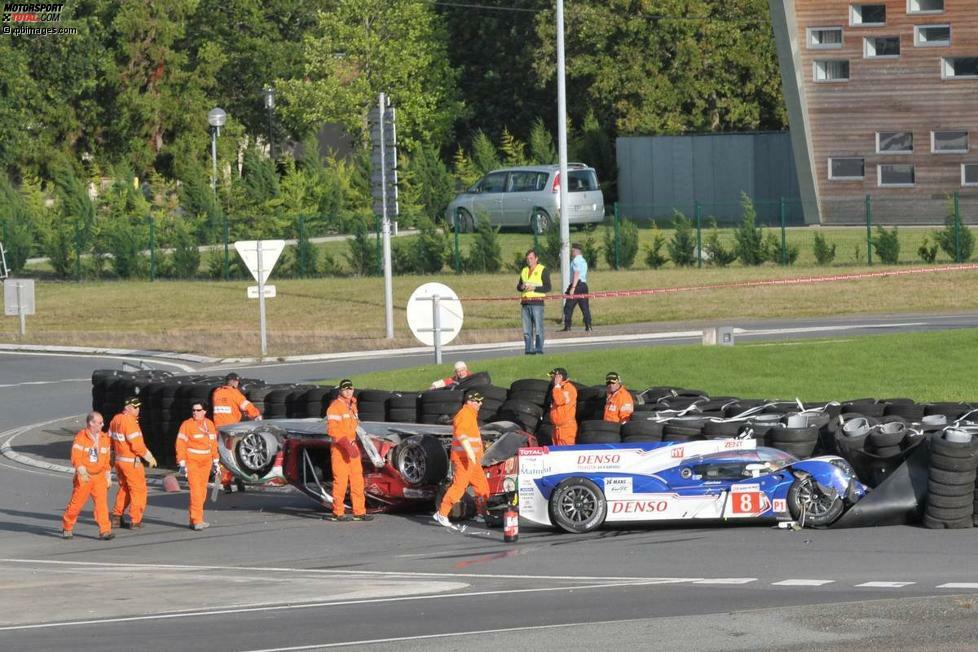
(32, 12)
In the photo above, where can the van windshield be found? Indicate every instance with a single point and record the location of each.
(582, 181)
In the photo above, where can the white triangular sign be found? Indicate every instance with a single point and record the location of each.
(270, 251)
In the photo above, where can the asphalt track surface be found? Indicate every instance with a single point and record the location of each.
(270, 575)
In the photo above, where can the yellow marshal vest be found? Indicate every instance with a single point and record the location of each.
(536, 279)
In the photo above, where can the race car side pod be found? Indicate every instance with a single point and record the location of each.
(897, 500)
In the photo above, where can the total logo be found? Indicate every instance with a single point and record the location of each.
(528, 452)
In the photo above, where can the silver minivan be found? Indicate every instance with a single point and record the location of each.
(528, 197)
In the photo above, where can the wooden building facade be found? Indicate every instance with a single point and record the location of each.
(882, 99)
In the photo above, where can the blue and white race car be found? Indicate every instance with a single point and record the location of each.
(578, 488)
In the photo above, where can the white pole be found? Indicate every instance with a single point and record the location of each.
(20, 309)
(436, 325)
(261, 301)
(386, 227)
(214, 131)
(562, 152)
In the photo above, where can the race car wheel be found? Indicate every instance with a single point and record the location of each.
(577, 506)
(807, 503)
(256, 450)
(421, 460)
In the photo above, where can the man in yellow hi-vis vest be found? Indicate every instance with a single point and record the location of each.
(533, 286)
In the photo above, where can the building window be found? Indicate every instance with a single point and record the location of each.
(948, 142)
(881, 46)
(959, 68)
(924, 35)
(867, 15)
(842, 169)
(925, 6)
(828, 70)
(969, 174)
(824, 38)
(900, 174)
(894, 142)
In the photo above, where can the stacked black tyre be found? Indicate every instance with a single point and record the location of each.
(951, 483)
(598, 431)
(372, 404)
(439, 406)
(314, 400)
(402, 407)
(639, 430)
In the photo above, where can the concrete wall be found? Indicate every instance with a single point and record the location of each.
(657, 174)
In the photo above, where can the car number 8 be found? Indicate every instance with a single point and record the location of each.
(746, 503)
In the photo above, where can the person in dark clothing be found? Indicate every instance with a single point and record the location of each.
(533, 286)
(578, 285)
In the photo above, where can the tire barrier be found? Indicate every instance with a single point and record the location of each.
(874, 435)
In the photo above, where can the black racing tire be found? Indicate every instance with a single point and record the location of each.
(949, 513)
(441, 396)
(529, 385)
(599, 425)
(801, 450)
(882, 436)
(402, 401)
(545, 434)
(374, 396)
(492, 392)
(642, 428)
(536, 398)
(640, 439)
(936, 524)
(255, 450)
(577, 506)
(942, 446)
(722, 429)
(472, 381)
(787, 435)
(421, 460)
(950, 502)
(597, 437)
(951, 410)
(886, 452)
(951, 477)
(951, 490)
(804, 497)
(445, 407)
(402, 415)
(377, 416)
(945, 463)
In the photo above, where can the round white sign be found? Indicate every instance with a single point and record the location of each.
(420, 313)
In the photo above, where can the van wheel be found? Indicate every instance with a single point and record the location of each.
(466, 223)
(540, 221)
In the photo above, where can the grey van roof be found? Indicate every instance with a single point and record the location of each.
(536, 168)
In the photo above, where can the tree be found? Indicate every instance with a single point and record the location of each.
(542, 151)
(682, 246)
(361, 48)
(749, 237)
(485, 254)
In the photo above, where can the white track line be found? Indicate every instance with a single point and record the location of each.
(802, 582)
(94, 353)
(317, 605)
(884, 585)
(47, 382)
(727, 580)
(433, 636)
(959, 585)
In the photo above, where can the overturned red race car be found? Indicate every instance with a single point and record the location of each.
(404, 464)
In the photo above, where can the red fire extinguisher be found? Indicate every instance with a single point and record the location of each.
(511, 522)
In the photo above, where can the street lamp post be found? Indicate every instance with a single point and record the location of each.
(269, 93)
(216, 118)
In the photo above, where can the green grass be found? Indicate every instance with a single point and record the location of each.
(922, 366)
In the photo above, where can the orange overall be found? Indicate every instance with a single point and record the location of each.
(465, 472)
(197, 449)
(619, 406)
(229, 403)
(563, 410)
(341, 424)
(128, 446)
(92, 452)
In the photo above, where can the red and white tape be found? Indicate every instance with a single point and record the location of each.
(800, 280)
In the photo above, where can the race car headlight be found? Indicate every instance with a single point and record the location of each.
(509, 484)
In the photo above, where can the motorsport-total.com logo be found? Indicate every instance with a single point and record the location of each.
(33, 19)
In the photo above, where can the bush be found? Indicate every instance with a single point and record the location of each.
(549, 249)
(824, 254)
(716, 253)
(306, 255)
(423, 254)
(887, 245)
(653, 252)
(927, 253)
(750, 238)
(236, 266)
(627, 244)
(682, 246)
(362, 255)
(772, 250)
(590, 248)
(485, 254)
(947, 238)
(186, 255)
